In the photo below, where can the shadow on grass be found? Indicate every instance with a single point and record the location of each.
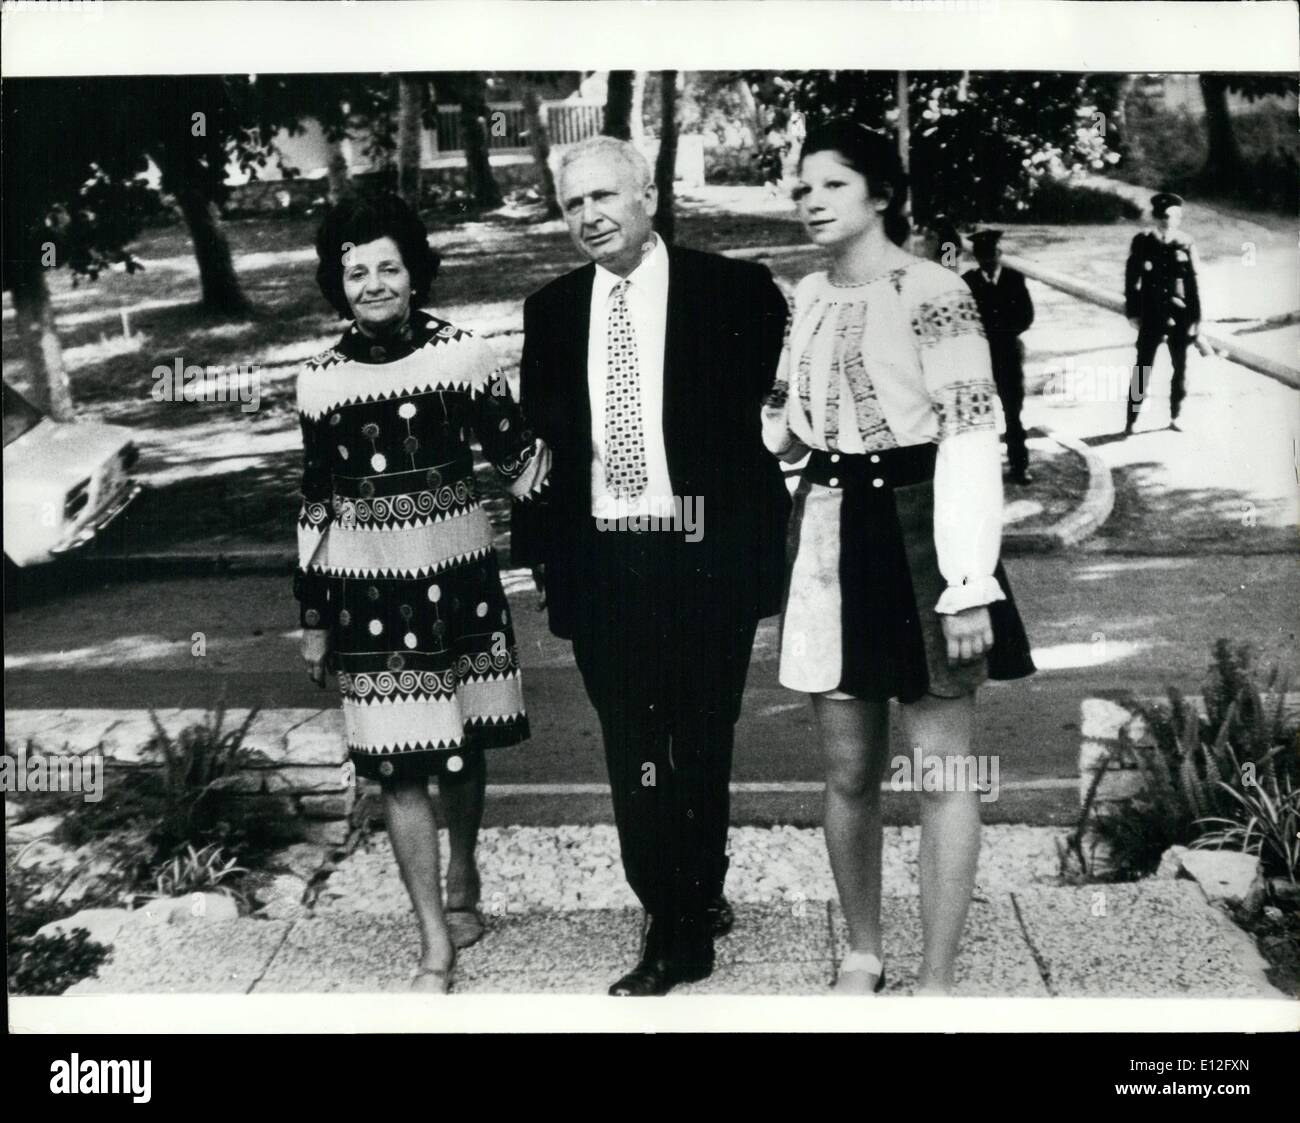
(253, 505)
(709, 228)
(1171, 521)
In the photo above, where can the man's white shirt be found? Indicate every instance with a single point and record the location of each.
(647, 305)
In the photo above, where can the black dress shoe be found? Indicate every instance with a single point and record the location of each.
(659, 975)
(721, 918)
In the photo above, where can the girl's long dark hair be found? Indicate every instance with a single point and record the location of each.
(872, 155)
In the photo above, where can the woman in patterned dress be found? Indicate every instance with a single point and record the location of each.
(397, 579)
(885, 394)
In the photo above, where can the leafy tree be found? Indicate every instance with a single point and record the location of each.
(70, 199)
(354, 107)
(192, 127)
(1224, 167)
(980, 143)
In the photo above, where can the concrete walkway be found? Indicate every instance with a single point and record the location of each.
(1025, 937)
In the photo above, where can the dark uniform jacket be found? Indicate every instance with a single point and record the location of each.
(1160, 281)
(725, 325)
(1005, 308)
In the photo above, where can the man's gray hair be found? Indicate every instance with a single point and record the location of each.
(610, 148)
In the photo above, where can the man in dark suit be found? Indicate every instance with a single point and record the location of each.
(662, 534)
(1007, 311)
(1162, 301)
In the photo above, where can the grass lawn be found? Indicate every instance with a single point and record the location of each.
(221, 478)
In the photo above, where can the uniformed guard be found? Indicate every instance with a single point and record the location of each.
(1162, 302)
(1007, 311)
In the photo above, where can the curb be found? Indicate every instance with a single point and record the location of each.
(185, 563)
(1082, 522)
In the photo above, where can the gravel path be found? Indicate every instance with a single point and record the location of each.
(527, 869)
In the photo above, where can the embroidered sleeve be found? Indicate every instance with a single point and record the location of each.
(315, 516)
(522, 459)
(958, 374)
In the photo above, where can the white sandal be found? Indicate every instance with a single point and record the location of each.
(864, 963)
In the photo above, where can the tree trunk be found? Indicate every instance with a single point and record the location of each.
(1223, 161)
(1117, 135)
(666, 161)
(39, 343)
(474, 129)
(618, 105)
(221, 290)
(749, 106)
(904, 122)
(636, 115)
(182, 177)
(410, 124)
(539, 141)
(340, 178)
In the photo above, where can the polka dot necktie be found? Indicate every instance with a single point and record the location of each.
(625, 470)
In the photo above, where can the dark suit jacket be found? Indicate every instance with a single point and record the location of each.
(725, 324)
(1005, 308)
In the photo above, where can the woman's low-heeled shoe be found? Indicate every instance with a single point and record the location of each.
(465, 926)
(861, 962)
(441, 974)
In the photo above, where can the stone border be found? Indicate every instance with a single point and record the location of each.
(301, 780)
(1082, 522)
(1101, 721)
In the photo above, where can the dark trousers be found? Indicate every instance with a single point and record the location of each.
(1009, 377)
(665, 672)
(1150, 335)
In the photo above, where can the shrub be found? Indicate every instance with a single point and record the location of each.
(174, 810)
(42, 965)
(744, 166)
(1061, 202)
(1271, 826)
(1201, 776)
(46, 965)
(175, 792)
(197, 765)
(198, 871)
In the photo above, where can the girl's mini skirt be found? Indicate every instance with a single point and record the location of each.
(862, 580)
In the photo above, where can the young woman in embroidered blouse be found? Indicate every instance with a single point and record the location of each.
(397, 579)
(885, 396)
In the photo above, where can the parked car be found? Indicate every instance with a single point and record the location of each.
(64, 482)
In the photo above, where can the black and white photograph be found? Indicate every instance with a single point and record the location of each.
(708, 534)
